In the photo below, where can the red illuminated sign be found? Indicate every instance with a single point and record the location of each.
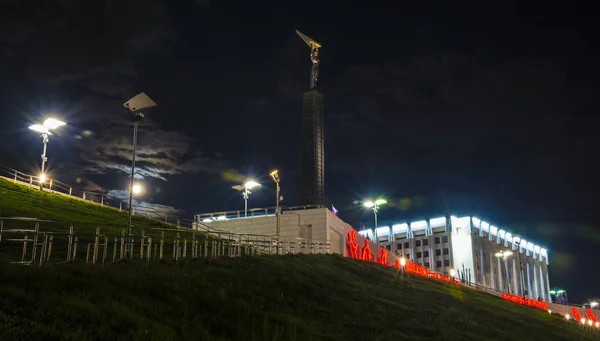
(366, 252)
(526, 301)
(590, 314)
(383, 253)
(576, 314)
(352, 245)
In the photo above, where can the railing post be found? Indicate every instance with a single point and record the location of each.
(50, 187)
(96, 242)
(70, 245)
(83, 196)
(70, 191)
(115, 249)
(15, 176)
(102, 200)
(162, 244)
(120, 206)
(30, 180)
(75, 243)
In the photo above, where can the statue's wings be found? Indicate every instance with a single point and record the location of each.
(309, 41)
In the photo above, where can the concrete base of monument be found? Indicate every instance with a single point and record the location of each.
(317, 224)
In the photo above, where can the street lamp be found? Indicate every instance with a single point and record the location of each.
(374, 205)
(505, 255)
(275, 176)
(44, 130)
(137, 189)
(452, 273)
(245, 188)
(135, 105)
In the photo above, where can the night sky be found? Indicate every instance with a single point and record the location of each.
(490, 112)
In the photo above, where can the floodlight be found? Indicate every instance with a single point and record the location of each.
(251, 184)
(42, 178)
(452, 273)
(53, 123)
(380, 202)
(221, 218)
(567, 316)
(499, 254)
(402, 261)
(137, 189)
(368, 204)
(593, 304)
(40, 128)
(139, 102)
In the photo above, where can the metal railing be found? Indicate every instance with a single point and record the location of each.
(252, 213)
(98, 198)
(32, 241)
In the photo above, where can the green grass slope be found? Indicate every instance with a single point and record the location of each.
(21, 201)
(304, 297)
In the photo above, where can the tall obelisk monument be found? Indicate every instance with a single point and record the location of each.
(313, 155)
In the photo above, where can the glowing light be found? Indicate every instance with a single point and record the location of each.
(368, 204)
(597, 324)
(251, 184)
(526, 301)
(403, 262)
(42, 178)
(452, 273)
(39, 128)
(507, 253)
(590, 322)
(380, 202)
(53, 123)
(567, 316)
(137, 189)
(549, 311)
(582, 321)
(221, 218)
(593, 304)
(274, 173)
(206, 220)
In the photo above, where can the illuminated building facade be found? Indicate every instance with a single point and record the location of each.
(480, 253)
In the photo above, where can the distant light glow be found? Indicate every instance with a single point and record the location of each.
(53, 123)
(582, 320)
(402, 261)
(597, 324)
(42, 178)
(39, 128)
(567, 316)
(593, 304)
(452, 273)
(549, 311)
(508, 253)
(590, 322)
(206, 220)
(368, 204)
(221, 218)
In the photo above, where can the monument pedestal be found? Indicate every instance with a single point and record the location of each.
(313, 156)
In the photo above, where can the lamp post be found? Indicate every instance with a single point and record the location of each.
(275, 176)
(374, 205)
(135, 106)
(245, 188)
(522, 279)
(44, 130)
(504, 255)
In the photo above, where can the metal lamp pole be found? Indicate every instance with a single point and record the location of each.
(374, 205)
(276, 179)
(44, 158)
(522, 281)
(137, 117)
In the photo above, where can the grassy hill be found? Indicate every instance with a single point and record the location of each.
(305, 297)
(21, 201)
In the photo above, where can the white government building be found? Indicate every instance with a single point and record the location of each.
(480, 253)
